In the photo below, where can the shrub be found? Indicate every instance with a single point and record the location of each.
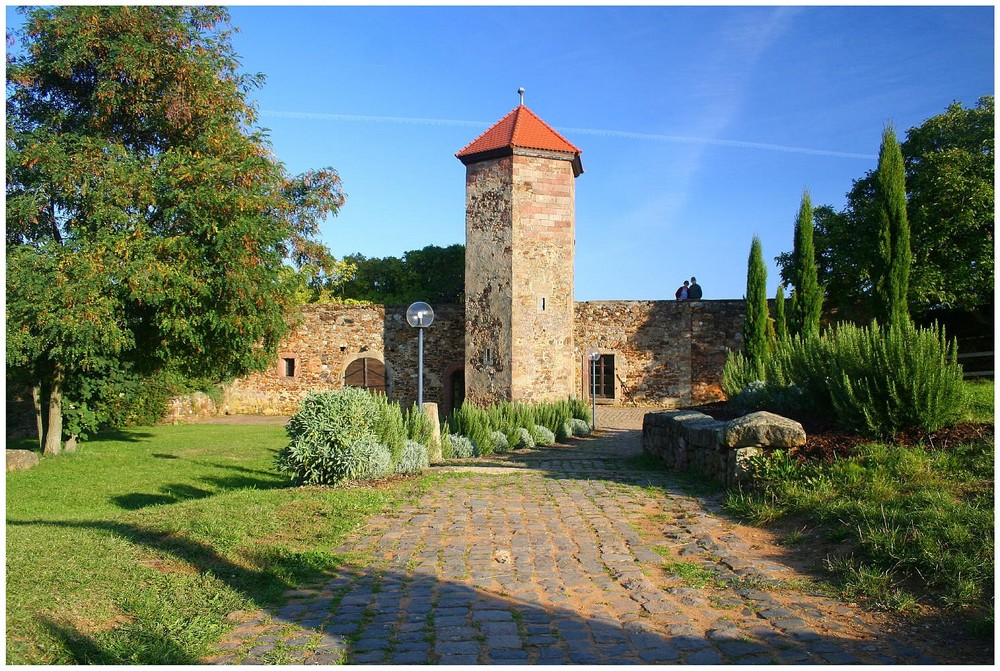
(737, 373)
(446, 451)
(330, 464)
(578, 409)
(565, 430)
(500, 444)
(413, 459)
(473, 422)
(334, 417)
(366, 460)
(543, 436)
(418, 425)
(523, 439)
(874, 379)
(580, 427)
(552, 416)
(753, 395)
(894, 378)
(333, 438)
(462, 447)
(390, 427)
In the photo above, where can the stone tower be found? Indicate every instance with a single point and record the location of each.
(519, 240)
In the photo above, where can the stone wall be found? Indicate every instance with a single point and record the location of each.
(444, 347)
(688, 440)
(328, 338)
(666, 352)
(324, 340)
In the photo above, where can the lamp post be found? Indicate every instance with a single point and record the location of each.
(594, 357)
(420, 315)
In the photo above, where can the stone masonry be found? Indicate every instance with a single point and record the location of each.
(328, 337)
(520, 336)
(687, 439)
(666, 353)
(519, 261)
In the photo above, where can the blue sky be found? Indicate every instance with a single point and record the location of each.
(699, 126)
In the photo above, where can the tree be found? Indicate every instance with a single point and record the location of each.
(892, 275)
(950, 189)
(755, 323)
(808, 304)
(950, 183)
(433, 274)
(148, 223)
(780, 322)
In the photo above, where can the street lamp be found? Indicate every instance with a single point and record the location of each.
(420, 315)
(594, 357)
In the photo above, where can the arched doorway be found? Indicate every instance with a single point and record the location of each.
(366, 373)
(454, 388)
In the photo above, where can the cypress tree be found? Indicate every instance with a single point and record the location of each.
(780, 323)
(756, 320)
(808, 306)
(892, 278)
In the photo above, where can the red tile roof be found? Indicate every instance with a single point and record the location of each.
(520, 128)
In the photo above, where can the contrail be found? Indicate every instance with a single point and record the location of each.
(704, 140)
(680, 139)
(377, 119)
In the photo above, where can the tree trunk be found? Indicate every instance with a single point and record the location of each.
(36, 398)
(53, 437)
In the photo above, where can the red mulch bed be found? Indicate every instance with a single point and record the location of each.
(825, 440)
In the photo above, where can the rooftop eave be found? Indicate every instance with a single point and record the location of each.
(500, 152)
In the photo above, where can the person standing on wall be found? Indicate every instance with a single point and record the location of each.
(694, 291)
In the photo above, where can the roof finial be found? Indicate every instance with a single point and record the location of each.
(520, 92)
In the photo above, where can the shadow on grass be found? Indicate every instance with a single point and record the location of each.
(171, 494)
(178, 492)
(140, 641)
(149, 647)
(123, 435)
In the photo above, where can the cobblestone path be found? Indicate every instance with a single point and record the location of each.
(559, 556)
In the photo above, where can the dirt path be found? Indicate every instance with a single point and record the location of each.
(569, 555)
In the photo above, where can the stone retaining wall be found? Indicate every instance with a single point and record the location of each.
(689, 440)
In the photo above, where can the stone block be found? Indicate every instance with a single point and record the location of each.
(739, 463)
(763, 428)
(434, 449)
(21, 460)
(704, 431)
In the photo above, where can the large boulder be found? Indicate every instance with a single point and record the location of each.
(21, 460)
(763, 428)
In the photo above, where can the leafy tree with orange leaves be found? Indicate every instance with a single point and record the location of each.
(148, 222)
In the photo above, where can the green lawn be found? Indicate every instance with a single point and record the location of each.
(921, 518)
(134, 549)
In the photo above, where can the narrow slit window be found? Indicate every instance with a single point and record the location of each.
(288, 367)
(543, 303)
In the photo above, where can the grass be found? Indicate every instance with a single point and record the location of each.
(134, 549)
(691, 574)
(921, 518)
(979, 400)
